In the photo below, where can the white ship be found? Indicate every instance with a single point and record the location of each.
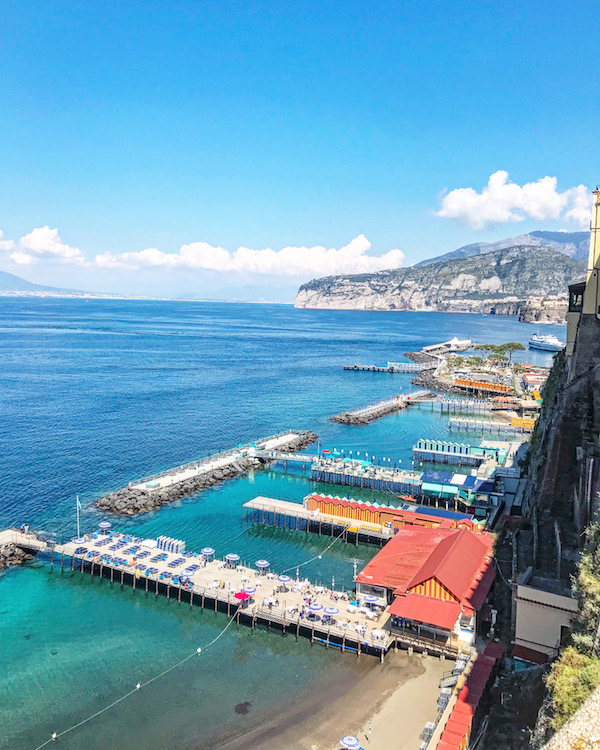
(548, 343)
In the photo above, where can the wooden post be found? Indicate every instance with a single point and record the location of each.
(156, 589)
(147, 583)
(179, 596)
(122, 577)
(62, 561)
(52, 558)
(191, 598)
(112, 575)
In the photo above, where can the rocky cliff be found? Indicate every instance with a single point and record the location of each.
(491, 282)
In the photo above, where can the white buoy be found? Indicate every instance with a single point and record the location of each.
(198, 651)
(138, 686)
(53, 736)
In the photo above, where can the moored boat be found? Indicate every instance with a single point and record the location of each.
(548, 343)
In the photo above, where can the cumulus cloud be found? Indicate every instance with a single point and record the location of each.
(5, 244)
(289, 261)
(502, 201)
(44, 242)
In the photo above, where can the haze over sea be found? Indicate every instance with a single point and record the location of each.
(97, 394)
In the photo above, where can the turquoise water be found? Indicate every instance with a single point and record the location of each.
(94, 395)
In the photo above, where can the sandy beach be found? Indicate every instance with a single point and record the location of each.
(397, 697)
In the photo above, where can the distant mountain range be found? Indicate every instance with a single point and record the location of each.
(490, 281)
(11, 283)
(573, 244)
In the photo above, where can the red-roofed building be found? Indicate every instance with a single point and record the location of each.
(435, 581)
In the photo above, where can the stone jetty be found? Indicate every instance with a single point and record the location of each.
(382, 408)
(150, 494)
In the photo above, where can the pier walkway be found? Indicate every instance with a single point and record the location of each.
(393, 367)
(211, 463)
(356, 473)
(369, 413)
(212, 584)
(267, 511)
(481, 426)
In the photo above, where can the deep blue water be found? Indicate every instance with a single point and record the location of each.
(96, 394)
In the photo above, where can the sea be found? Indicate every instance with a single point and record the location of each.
(94, 394)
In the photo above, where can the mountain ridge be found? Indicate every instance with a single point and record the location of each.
(505, 276)
(573, 244)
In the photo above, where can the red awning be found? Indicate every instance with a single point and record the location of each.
(463, 709)
(529, 654)
(426, 609)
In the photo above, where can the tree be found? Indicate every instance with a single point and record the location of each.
(511, 348)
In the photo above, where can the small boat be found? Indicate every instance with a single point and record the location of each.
(548, 343)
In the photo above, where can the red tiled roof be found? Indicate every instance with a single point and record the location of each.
(463, 712)
(455, 562)
(454, 744)
(396, 564)
(480, 587)
(426, 609)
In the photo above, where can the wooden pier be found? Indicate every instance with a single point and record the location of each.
(267, 511)
(482, 426)
(369, 413)
(356, 473)
(214, 586)
(392, 367)
(465, 406)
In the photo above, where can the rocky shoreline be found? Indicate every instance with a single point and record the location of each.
(130, 500)
(10, 554)
(426, 380)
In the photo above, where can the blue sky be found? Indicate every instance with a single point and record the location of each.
(136, 126)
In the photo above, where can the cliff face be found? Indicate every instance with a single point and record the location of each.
(485, 283)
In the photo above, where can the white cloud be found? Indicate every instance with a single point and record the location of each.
(289, 261)
(5, 244)
(502, 201)
(44, 242)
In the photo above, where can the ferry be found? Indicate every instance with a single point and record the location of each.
(549, 343)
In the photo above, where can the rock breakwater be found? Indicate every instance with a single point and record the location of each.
(134, 499)
(10, 554)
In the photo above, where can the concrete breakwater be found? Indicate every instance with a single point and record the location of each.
(152, 492)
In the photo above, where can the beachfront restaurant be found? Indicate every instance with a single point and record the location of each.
(435, 580)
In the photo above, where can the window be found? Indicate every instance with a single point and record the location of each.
(576, 297)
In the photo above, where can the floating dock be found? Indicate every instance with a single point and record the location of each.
(198, 580)
(380, 409)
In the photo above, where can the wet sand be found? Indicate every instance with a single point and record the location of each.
(398, 697)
